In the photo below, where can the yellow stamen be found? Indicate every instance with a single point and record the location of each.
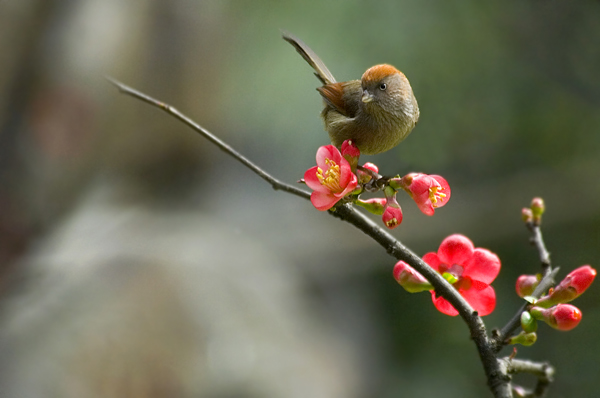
(434, 195)
(330, 177)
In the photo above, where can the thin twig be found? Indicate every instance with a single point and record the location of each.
(548, 275)
(504, 334)
(498, 380)
(542, 370)
(275, 183)
(538, 241)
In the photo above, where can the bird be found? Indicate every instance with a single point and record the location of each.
(376, 112)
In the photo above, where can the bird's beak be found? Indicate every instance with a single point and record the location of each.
(367, 97)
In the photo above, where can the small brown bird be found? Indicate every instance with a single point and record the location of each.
(376, 112)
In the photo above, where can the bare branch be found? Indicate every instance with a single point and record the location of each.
(275, 183)
(538, 241)
(548, 275)
(542, 370)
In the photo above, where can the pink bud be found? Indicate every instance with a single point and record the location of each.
(526, 284)
(570, 288)
(392, 216)
(579, 279)
(561, 317)
(526, 214)
(351, 153)
(537, 207)
(364, 177)
(410, 279)
(373, 205)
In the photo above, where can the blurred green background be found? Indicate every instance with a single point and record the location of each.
(137, 260)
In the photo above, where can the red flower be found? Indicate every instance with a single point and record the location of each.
(470, 270)
(428, 191)
(331, 179)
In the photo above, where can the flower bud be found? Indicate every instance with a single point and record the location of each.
(569, 288)
(526, 214)
(374, 205)
(523, 338)
(528, 323)
(410, 279)
(392, 216)
(364, 177)
(351, 153)
(526, 284)
(561, 317)
(537, 208)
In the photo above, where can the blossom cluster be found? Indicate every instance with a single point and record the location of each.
(468, 269)
(338, 177)
(552, 308)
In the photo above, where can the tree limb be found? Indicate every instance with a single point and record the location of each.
(498, 379)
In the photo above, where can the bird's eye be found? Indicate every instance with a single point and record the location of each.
(383, 86)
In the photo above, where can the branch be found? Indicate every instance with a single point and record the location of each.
(548, 274)
(498, 379)
(538, 241)
(543, 371)
(275, 183)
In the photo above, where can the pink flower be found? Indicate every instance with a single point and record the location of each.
(470, 270)
(569, 288)
(331, 179)
(562, 317)
(428, 191)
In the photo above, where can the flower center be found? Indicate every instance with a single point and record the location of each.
(452, 274)
(330, 177)
(435, 195)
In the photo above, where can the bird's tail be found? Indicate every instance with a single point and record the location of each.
(321, 71)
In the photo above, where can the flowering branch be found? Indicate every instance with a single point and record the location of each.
(496, 370)
(532, 218)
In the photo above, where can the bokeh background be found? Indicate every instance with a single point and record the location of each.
(137, 260)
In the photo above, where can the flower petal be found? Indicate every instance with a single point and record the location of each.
(433, 260)
(484, 266)
(323, 200)
(424, 204)
(346, 174)
(311, 180)
(456, 249)
(327, 152)
(443, 305)
(445, 189)
(481, 296)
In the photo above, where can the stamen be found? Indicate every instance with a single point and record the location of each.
(434, 195)
(331, 177)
